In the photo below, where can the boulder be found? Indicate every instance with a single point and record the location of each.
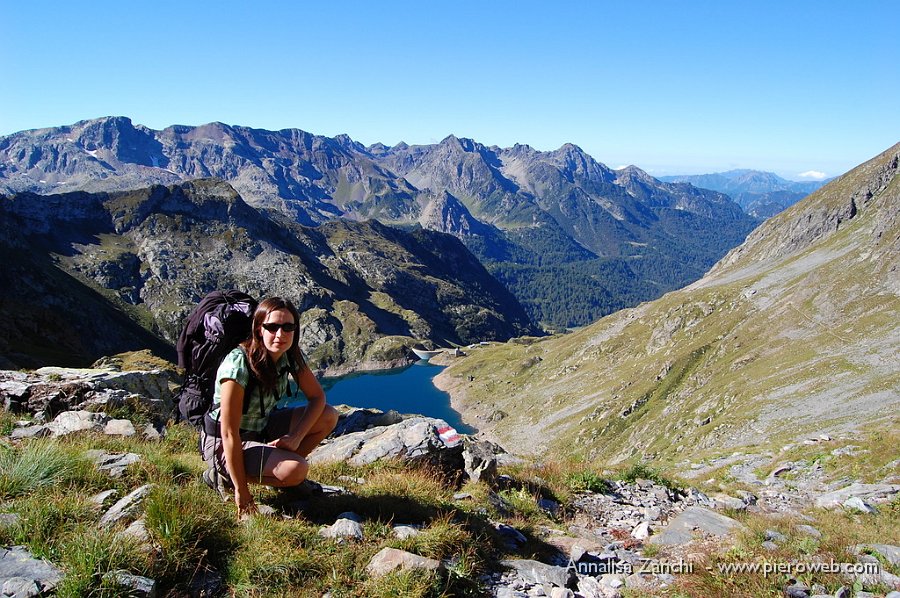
(416, 438)
(889, 552)
(480, 460)
(831, 500)
(136, 584)
(353, 419)
(536, 572)
(23, 575)
(389, 559)
(50, 390)
(347, 525)
(404, 532)
(680, 529)
(119, 427)
(125, 507)
(114, 464)
(69, 422)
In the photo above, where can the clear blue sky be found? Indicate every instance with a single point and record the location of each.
(673, 87)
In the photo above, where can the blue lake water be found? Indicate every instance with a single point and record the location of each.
(407, 390)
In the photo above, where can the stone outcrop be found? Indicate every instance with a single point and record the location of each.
(50, 392)
(416, 438)
(391, 559)
(23, 575)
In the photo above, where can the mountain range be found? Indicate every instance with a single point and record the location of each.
(571, 238)
(91, 274)
(794, 334)
(761, 194)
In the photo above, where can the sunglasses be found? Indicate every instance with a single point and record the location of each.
(273, 327)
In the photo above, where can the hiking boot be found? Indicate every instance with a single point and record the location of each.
(219, 483)
(306, 489)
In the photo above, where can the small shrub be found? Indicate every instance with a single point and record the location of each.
(587, 481)
(643, 471)
(522, 502)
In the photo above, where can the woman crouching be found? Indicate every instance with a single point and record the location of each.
(245, 438)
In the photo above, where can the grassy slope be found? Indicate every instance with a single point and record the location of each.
(791, 333)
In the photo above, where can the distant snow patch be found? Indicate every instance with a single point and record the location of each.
(812, 174)
(93, 153)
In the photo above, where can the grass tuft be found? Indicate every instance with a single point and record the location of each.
(36, 465)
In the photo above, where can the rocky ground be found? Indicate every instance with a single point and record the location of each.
(607, 538)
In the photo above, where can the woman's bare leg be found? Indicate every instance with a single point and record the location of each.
(322, 428)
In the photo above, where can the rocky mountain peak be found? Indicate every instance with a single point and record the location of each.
(446, 214)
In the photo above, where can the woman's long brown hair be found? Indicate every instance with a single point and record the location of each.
(260, 362)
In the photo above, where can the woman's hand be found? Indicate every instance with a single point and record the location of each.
(287, 442)
(245, 504)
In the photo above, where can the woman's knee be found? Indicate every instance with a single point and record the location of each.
(292, 472)
(329, 418)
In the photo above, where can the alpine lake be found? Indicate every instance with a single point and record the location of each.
(406, 390)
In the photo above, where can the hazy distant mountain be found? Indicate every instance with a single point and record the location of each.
(571, 238)
(760, 194)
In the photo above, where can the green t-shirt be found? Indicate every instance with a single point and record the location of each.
(236, 367)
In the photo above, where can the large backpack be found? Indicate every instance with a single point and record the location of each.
(220, 322)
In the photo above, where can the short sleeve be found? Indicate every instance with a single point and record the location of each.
(234, 367)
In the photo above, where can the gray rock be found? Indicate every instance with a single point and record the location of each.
(20, 587)
(137, 530)
(769, 545)
(114, 464)
(126, 506)
(346, 526)
(511, 536)
(138, 585)
(537, 572)
(775, 536)
(834, 499)
(69, 422)
(354, 419)
(119, 427)
(889, 552)
(590, 587)
(723, 501)
(641, 532)
(403, 532)
(150, 432)
(9, 520)
(389, 559)
(550, 507)
(809, 530)
(479, 460)
(561, 593)
(797, 590)
(893, 594)
(38, 431)
(679, 530)
(412, 439)
(24, 572)
(855, 503)
(101, 498)
(52, 390)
